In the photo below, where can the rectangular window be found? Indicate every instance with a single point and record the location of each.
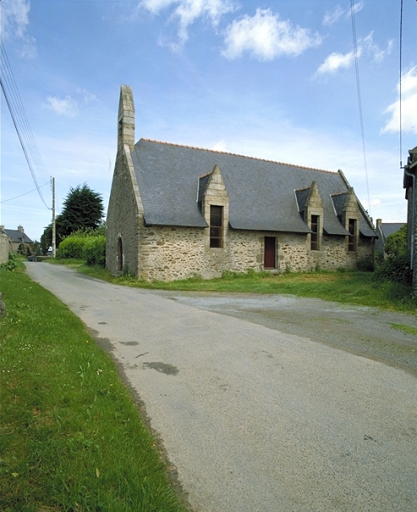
(315, 232)
(216, 226)
(352, 235)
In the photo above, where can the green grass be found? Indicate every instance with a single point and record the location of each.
(72, 437)
(357, 288)
(405, 328)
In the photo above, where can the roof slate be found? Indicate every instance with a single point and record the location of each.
(17, 236)
(388, 228)
(261, 192)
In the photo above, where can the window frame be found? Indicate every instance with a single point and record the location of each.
(314, 237)
(352, 242)
(216, 226)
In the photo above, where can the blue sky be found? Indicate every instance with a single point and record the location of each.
(274, 79)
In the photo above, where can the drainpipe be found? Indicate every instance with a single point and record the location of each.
(413, 219)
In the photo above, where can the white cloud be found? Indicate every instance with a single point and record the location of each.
(332, 16)
(366, 46)
(356, 8)
(67, 106)
(189, 11)
(14, 24)
(378, 54)
(408, 105)
(336, 61)
(87, 97)
(221, 146)
(265, 36)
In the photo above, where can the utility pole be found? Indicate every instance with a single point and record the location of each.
(53, 219)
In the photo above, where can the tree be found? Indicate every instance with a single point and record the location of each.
(82, 209)
(396, 243)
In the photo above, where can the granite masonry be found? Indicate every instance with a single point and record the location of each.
(177, 212)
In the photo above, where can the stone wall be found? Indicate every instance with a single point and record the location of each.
(5, 247)
(124, 218)
(168, 253)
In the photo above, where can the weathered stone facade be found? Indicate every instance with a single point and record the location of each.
(5, 246)
(168, 253)
(158, 251)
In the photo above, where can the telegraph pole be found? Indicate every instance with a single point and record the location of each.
(53, 219)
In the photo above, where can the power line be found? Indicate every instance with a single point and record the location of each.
(25, 194)
(21, 123)
(400, 95)
(358, 88)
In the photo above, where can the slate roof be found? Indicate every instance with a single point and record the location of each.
(17, 236)
(388, 228)
(262, 193)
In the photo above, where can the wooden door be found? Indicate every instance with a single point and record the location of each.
(270, 252)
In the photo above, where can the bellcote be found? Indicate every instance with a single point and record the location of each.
(126, 118)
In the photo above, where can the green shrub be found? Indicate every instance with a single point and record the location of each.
(11, 263)
(72, 247)
(365, 265)
(94, 251)
(396, 243)
(394, 268)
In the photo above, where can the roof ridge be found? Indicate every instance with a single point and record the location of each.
(236, 154)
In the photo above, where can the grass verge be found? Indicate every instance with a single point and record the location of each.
(357, 288)
(72, 438)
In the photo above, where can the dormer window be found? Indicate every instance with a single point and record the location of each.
(216, 226)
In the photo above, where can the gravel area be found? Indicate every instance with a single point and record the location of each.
(369, 332)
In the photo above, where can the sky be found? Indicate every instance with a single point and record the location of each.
(297, 81)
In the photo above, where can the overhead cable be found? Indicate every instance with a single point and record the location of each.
(24, 194)
(358, 88)
(400, 85)
(21, 123)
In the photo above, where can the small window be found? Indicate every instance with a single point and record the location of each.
(216, 226)
(352, 235)
(315, 233)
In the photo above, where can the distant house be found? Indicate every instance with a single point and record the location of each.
(383, 230)
(19, 240)
(178, 211)
(410, 172)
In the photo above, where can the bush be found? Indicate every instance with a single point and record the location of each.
(396, 243)
(11, 263)
(365, 265)
(94, 251)
(394, 268)
(72, 247)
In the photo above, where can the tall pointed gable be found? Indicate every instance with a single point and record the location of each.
(126, 118)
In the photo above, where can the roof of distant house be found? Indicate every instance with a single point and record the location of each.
(388, 228)
(18, 236)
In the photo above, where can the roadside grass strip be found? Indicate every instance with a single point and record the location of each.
(72, 437)
(351, 287)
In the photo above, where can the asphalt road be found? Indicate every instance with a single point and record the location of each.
(255, 418)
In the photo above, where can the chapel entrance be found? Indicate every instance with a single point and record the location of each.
(120, 255)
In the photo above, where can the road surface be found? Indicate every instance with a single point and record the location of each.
(253, 418)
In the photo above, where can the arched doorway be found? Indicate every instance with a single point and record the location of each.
(120, 255)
